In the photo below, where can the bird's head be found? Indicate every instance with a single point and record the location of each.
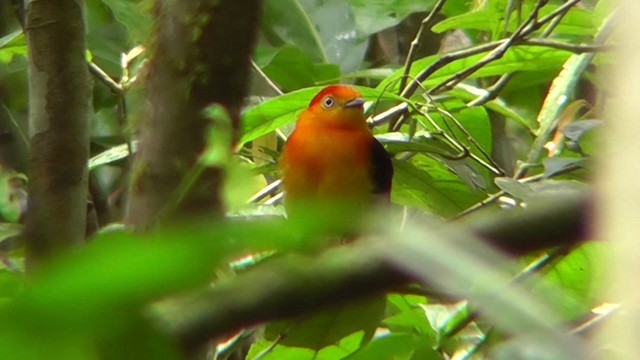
(336, 106)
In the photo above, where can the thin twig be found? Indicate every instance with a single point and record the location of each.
(492, 165)
(574, 48)
(595, 320)
(415, 43)
(105, 79)
(5, 115)
(494, 55)
(265, 191)
(492, 92)
(492, 198)
(461, 54)
(266, 78)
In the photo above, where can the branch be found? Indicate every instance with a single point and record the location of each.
(297, 285)
(59, 113)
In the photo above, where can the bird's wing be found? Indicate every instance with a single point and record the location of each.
(381, 169)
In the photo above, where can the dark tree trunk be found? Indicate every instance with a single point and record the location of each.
(59, 112)
(200, 56)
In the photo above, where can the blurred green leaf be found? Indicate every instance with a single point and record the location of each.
(11, 284)
(292, 69)
(12, 44)
(373, 16)
(545, 188)
(556, 165)
(135, 15)
(324, 30)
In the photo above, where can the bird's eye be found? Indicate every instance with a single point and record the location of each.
(328, 102)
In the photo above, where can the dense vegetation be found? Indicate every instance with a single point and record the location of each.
(490, 109)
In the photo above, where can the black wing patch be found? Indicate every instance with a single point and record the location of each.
(381, 169)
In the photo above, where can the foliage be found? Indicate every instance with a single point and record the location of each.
(460, 141)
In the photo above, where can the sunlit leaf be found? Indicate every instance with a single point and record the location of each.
(11, 45)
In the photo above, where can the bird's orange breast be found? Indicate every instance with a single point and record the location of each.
(323, 163)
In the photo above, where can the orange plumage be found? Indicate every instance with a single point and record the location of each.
(331, 158)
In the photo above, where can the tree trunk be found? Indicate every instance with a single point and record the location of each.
(200, 56)
(59, 113)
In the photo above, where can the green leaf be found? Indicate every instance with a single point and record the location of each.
(276, 112)
(485, 20)
(518, 58)
(392, 346)
(219, 142)
(328, 327)
(11, 45)
(466, 92)
(427, 184)
(561, 93)
(292, 69)
(580, 274)
(324, 30)
(575, 22)
(134, 15)
(264, 350)
(373, 16)
(545, 188)
(556, 165)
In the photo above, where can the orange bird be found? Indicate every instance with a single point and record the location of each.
(332, 160)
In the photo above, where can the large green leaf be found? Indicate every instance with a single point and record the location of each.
(264, 350)
(375, 15)
(134, 15)
(467, 93)
(291, 68)
(427, 184)
(575, 22)
(518, 58)
(581, 275)
(274, 113)
(324, 29)
(394, 346)
(328, 327)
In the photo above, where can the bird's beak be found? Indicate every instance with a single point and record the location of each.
(355, 103)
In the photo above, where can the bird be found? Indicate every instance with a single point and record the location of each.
(332, 163)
